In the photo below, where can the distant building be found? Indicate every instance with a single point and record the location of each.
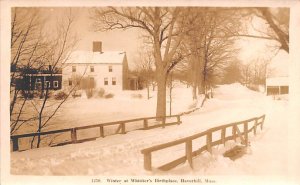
(107, 70)
(277, 81)
(32, 79)
(277, 85)
(135, 83)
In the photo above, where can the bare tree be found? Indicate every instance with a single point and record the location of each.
(219, 50)
(171, 86)
(277, 21)
(254, 73)
(165, 26)
(27, 50)
(235, 72)
(59, 50)
(195, 48)
(218, 54)
(35, 49)
(210, 47)
(144, 67)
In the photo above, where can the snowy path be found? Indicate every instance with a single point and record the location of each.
(268, 153)
(120, 154)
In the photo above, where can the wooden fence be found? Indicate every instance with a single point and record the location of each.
(121, 129)
(188, 141)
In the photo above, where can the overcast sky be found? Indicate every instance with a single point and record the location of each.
(116, 40)
(119, 40)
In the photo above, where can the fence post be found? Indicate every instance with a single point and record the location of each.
(189, 152)
(123, 128)
(254, 128)
(145, 123)
(15, 141)
(178, 119)
(101, 131)
(262, 122)
(234, 132)
(208, 141)
(223, 135)
(246, 133)
(73, 135)
(147, 161)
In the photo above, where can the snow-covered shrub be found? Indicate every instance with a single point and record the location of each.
(258, 88)
(76, 94)
(137, 96)
(110, 95)
(28, 95)
(60, 95)
(89, 93)
(42, 94)
(36, 94)
(101, 92)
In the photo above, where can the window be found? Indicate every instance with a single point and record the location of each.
(92, 69)
(284, 89)
(105, 81)
(110, 69)
(70, 82)
(73, 68)
(113, 81)
(47, 84)
(55, 84)
(272, 90)
(38, 83)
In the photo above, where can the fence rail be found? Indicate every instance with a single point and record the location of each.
(188, 141)
(120, 130)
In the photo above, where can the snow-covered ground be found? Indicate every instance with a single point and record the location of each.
(124, 105)
(121, 154)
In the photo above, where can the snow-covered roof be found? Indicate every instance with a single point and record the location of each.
(277, 81)
(89, 57)
(279, 66)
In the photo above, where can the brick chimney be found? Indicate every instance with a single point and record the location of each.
(97, 46)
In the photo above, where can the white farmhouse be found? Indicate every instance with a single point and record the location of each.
(277, 81)
(107, 70)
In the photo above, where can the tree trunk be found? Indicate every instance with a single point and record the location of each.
(39, 130)
(12, 104)
(170, 93)
(14, 126)
(194, 91)
(148, 91)
(41, 116)
(161, 95)
(283, 38)
(195, 76)
(201, 84)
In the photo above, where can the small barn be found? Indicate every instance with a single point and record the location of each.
(277, 85)
(133, 82)
(277, 81)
